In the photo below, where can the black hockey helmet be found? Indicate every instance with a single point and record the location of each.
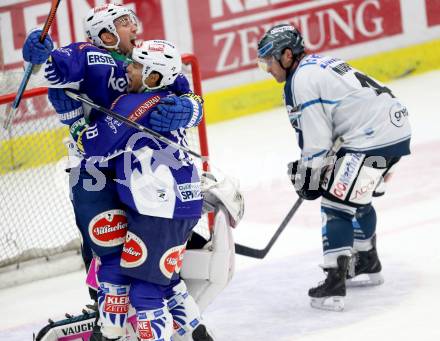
(279, 38)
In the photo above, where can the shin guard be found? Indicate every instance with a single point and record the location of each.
(113, 304)
(154, 325)
(184, 309)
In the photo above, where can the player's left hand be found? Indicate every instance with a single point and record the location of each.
(305, 180)
(172, 113)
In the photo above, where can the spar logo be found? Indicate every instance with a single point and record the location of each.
(171, 261)
(116, 304)
(134, 252)
(108, 228)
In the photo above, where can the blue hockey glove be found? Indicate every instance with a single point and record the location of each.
(68, 109)
(303, 178)
(177, 112)
(35, 52)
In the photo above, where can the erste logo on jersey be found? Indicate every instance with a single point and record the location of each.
(134, 252)
(171, 261)
(108, 228)
(99, 58)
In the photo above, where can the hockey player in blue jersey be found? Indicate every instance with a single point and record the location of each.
(161, 191)
(327, 98)
(98, 71)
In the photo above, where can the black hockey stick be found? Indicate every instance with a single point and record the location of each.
(29, 68)
(261, 253)
(134, 125)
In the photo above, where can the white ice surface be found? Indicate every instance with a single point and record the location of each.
(267, 299)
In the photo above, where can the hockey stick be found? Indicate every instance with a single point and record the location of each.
(261, 253)
(134, 124)
(29, 68)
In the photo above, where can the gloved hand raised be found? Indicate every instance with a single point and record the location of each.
(35, 52)
(305, 180)
(176, 112)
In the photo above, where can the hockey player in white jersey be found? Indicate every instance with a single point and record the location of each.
(326, 98)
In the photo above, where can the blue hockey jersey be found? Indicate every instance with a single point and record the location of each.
(153, 178)
(88, 69)
(93, 71)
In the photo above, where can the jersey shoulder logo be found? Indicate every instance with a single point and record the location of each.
(99, 58)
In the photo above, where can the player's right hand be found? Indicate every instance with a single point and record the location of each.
(35, 52)
(63, 104)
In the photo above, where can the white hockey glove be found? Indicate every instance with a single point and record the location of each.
(226, 193)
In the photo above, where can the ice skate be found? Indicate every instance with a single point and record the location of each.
(329, 295)
(367, 271)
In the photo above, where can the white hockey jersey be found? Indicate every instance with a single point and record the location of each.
(327, 98)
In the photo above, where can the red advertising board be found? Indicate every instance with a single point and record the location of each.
(226, 32)
(433, 12)
(17, 18)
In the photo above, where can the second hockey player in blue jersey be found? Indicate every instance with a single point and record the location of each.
(160, 187)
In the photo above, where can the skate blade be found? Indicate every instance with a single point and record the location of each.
(365, 280)
(332, 303)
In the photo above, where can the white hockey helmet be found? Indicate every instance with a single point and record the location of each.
(103, 18)
(160, 56)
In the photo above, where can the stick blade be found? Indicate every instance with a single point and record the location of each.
(249, 252)
(10, 113)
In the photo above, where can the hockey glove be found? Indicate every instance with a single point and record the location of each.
(305, 180)
(70, 112)
(35, 52)
(177, 112)
(68, 109)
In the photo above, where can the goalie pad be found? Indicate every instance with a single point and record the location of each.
(208, 271)
(226, 193)
(72, 328)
